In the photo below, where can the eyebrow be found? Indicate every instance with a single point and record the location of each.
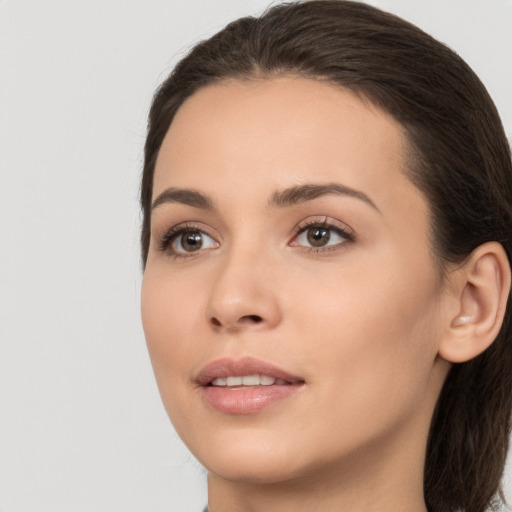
(183, 196)
(303, 193)
(281, 199)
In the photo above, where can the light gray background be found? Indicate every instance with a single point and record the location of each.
(81, 424)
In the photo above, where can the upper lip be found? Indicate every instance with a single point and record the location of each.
(228, 367)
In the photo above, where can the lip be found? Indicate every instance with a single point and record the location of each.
(245, 400)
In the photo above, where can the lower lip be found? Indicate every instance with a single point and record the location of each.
(246, 400)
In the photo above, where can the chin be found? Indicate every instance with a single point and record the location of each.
(247, 455)
(255, 469)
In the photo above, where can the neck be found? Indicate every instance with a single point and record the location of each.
(381, 480)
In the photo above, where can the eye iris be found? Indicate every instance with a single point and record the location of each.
(318, 236)
(191, 241)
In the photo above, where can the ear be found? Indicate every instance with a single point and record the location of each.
(478, 295)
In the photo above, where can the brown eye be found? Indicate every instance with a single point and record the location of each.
(318, 237)
(192, 240)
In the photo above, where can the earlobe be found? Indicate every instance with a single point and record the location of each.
(462, 320)
(481, 289)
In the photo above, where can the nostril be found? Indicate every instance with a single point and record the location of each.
(246, 319)
(251, 318)
(215, 322)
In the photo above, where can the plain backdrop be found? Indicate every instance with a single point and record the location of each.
(81, 423)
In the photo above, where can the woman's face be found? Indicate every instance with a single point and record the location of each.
(287, 246)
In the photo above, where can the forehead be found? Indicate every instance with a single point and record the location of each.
(281, 132)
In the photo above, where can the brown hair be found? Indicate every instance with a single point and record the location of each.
(459, 158)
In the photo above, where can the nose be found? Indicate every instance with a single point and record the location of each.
(244, 295)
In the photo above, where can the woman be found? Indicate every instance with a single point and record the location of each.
(326, 239)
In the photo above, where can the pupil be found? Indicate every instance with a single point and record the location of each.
(318, 236)
(191, 241)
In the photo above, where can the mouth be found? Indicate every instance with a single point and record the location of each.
(245, 372)
(245, 386)
(248, 381)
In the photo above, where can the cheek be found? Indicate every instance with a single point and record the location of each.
(374, 334)
(170, 314)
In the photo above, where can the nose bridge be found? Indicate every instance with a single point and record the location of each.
(243, 293)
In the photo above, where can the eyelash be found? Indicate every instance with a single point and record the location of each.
(170, 236)
(326, 223)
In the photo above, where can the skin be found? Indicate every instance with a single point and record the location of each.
(360, 320)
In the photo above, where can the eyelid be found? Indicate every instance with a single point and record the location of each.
(168, 236)
(324, 222)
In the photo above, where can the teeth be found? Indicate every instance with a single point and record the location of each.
(247, 380)
(234, 381)
(251, 380)
(267, 381)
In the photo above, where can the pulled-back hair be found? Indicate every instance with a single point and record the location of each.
(458, 157)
